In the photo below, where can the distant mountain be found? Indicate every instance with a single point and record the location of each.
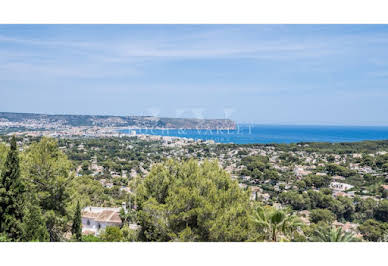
(118, 121)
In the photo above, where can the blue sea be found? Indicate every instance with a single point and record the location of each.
(248, 134)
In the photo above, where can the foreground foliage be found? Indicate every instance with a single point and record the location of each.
(275, 224)
(330, 234)
(192, 202)
(42, 192)
(12, 198)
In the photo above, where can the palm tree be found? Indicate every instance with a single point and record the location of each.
(273, 221)
(333, 234)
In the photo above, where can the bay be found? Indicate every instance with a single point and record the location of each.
(248, 134)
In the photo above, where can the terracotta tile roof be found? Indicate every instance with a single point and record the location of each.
(90, 215)
(101, 214)
(115, 218)
(108, 216)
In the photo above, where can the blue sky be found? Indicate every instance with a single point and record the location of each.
(266, 74)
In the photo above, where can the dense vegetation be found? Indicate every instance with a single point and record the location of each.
(177, 194)
(191, 202)
(39, 193)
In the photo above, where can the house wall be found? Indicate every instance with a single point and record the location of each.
(94, 225)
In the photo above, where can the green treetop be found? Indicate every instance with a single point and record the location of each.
(47, 172)
(275, 224)
(331, 234)
(76, 228)
(11, 196)
(192, 201)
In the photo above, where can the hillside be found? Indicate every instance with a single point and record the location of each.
(118, 121)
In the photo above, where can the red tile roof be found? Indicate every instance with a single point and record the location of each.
(108, 216)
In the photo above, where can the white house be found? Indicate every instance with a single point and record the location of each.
(337, 186)
(95, 219)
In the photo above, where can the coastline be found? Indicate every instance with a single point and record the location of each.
(272, 134)
(256, 134)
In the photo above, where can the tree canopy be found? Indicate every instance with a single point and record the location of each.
(48, 176)
(191, 201)
(12, 195)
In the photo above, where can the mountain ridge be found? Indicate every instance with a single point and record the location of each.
(119, 121)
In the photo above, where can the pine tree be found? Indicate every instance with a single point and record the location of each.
(76, 228)
(47, 171)
(34, 222)
(11, 196)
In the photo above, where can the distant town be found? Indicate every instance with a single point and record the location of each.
(98, 126)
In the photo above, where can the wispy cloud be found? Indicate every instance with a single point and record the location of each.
(203, 44)
(96, 56)
(267, 73)
(52, 43)
(28, 71)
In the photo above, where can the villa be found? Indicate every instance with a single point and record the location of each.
(96, 219)
(340, 187)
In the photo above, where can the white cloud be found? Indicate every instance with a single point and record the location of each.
(126, 55)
